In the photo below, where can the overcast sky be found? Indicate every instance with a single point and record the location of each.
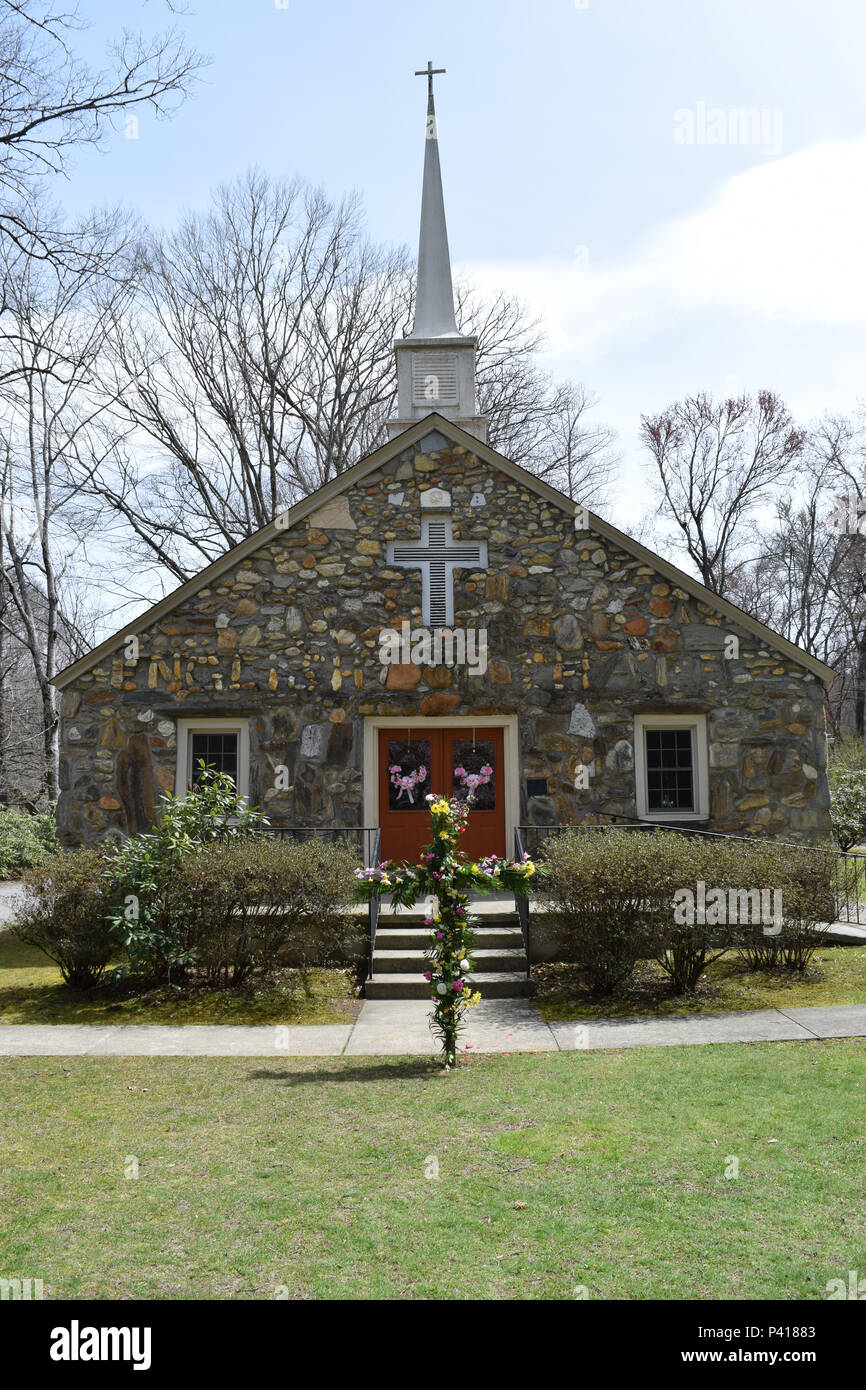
(593, 161)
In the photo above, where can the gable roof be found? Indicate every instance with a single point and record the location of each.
(368, 465)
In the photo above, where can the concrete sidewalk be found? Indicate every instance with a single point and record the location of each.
(400, 1028)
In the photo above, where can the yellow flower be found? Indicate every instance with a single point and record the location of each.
(529, 869)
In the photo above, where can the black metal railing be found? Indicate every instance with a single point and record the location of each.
(851, 888)
(522, 904)
(373, 860)
(849, 870)
(363, 838)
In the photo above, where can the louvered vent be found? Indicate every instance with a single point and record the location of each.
(434, 379)
(437, 536)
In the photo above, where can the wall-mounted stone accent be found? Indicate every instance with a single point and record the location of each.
(581, 636)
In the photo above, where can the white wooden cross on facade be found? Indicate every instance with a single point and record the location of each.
(438, 555)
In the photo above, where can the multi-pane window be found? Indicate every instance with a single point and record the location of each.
(218, 750)
(670, 771)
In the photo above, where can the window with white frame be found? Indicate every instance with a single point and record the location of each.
(223, 744)
(671, 767)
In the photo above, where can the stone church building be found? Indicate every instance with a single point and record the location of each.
(437, 618)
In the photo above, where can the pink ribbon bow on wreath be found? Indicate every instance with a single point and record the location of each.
(407, 782)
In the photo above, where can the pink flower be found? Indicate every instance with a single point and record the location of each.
(427, 975)
(440, 936)
(458, 985)
(428, 921)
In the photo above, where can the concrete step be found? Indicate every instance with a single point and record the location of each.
(494, 909)
(499, 984)
(388, 961)
(416, 938)
(416, 919)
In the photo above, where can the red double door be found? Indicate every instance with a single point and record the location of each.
(446, 762)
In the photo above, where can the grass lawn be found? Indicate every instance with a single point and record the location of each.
(836, 975)
(603, 1170)
(31, 991)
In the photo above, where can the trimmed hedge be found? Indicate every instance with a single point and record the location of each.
(254, 904)
(620, 896)
(231, 908)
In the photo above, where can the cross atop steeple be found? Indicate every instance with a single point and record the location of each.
(429, 72)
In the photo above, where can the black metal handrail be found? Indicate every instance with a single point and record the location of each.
(522, 904)
(372, 862)
(363, 837)
(849, 869)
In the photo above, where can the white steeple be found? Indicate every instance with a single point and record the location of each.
(435, 363)
(434, 293)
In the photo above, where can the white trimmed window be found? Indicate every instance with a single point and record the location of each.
(670, 759)
(220, 743)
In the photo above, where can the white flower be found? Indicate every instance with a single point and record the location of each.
(441, 989)
(429, 797)
(464, 965)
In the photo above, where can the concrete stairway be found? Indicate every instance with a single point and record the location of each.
(500, 960)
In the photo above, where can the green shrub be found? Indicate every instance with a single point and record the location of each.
(848, 808)
(805, 881)
(686, 942)
(253, 904)
(148, 915)
(64, 912)
(619, 896)
(845, 753)
(763, 897)
(25, 839)
(604, 900)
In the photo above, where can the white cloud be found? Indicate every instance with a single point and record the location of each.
(782, 241)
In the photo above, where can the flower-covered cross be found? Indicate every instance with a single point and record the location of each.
(445, 873)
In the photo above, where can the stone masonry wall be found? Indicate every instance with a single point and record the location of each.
(581, 637)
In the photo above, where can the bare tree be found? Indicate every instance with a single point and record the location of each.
(843, 445)
(52, 104)
(790, 584)
(807, 577)
(573, 452)
(716, 464)
(257, 364)
(47, 434)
